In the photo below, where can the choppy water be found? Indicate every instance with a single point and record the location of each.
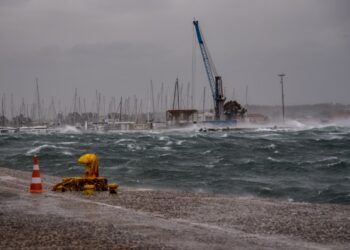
(301, 163)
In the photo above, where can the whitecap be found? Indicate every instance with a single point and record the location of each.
(334, 164)
(334, 137)
(166, 148)
(133, 147)
(179, 142)
(124, 140)
(39, 148)
(329, 158)
(206, 152)
(273, 159)
(169, 143)
(264, 129)
(67, 153)
(68, 129)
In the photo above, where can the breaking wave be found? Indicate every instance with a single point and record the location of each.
(297, 162)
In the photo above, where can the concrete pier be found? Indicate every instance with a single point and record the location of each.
(149, 219)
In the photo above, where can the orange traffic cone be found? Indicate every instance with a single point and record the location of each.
(36, 186)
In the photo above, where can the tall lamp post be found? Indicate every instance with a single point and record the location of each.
(281, 76)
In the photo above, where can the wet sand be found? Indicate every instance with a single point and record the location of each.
(148, 219)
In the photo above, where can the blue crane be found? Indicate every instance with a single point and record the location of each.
(215, 80)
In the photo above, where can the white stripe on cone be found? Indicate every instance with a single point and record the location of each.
(36, 180)
(36, 167)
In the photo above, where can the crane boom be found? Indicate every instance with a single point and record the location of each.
(214, 79)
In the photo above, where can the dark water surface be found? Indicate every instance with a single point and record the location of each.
(296, 164)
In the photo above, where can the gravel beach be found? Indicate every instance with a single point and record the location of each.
(149, 219)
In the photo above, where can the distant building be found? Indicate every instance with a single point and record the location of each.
(340, 115)
(256, 118)
(181, 117)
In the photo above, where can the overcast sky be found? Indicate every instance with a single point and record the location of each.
(117, 47)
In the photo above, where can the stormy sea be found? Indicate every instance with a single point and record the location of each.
(297, 162)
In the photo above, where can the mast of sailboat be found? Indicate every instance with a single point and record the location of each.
(38, 99)
(188, 96)
(176, 94)
(203, 101)
(148, 104)
(152, 94)
(3, 110)
(120, 108)
(162, 99)
(12, 107)
(282, 89)
(52, 110)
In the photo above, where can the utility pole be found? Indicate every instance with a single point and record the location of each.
(281, 76)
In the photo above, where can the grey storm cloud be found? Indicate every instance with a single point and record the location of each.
(117, 47)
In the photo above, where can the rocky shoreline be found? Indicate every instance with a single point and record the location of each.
(152, 219)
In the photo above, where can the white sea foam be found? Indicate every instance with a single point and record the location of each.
(273, 159)
(325, 159)
(206, 152)
(333, 137)
(68, 129)
(169, 143)
(67, 153)
(124, 140)
(37, 150)
(179, 142)
(334, 164)
(271, 146)
(166, 148)
(163, 138)
(133, 147)
(330, 158)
